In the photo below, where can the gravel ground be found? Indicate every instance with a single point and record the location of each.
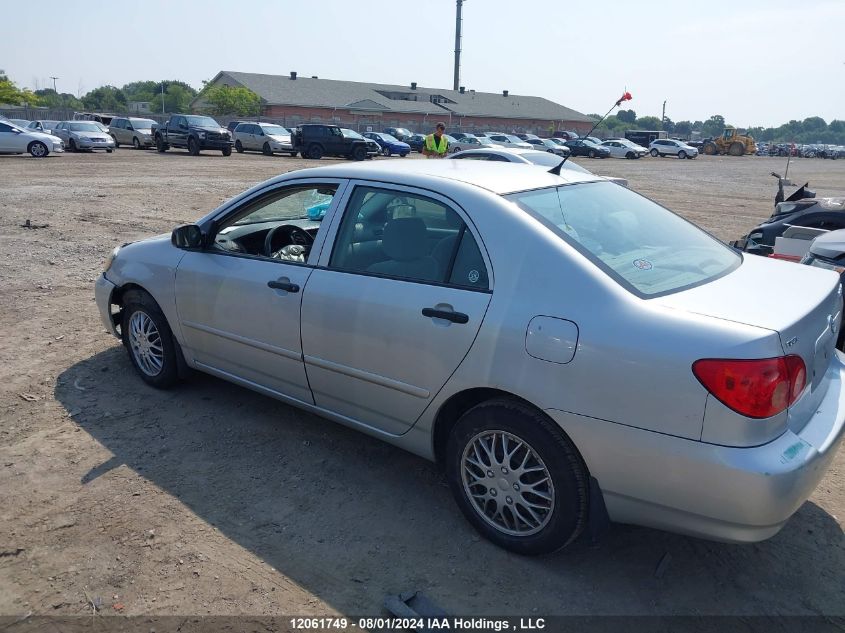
(213, 499)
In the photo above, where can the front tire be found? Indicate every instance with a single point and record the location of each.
(114, 138)
(517, 477)
(193, 147)
(360, 153)
(37, 149)
(149, 340)
(682, 154)
(227, 151)
(135, 143)
(71, 146)
(267, 150)
(592, 154)
(161, 146)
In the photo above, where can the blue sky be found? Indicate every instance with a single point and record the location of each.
(753, 61)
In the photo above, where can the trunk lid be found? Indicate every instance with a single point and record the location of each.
(802, 304)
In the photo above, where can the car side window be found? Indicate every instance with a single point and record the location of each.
(5, 128)
(280, 225)
(407, 236)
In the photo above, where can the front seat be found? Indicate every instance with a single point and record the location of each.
(405, 242)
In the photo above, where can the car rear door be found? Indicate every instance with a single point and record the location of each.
(394, 306)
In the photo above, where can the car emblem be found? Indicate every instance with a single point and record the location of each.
(642, 264)
(791, 342)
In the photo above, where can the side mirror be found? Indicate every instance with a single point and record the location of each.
(187, 236)
(129, 127)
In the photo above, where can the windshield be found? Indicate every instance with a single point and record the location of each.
(485, 141)
(202, 121)
(514, 139)
(85, 127)
(388, 138)
(275, 129)
(350, 133)
(304, 204)
(142, 124)
(644, 247)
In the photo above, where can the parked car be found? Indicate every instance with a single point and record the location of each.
(17, 140)
(461, 135)
(21, 123)
(566, 135)
(84, 136)
(470, 313)
(594, 139)
(399, 133)
(194, 133)
(670, 147)
(42, 126)
(373, 148)
(416, 141)
(467, 142)
(132, 131)
(267, 138)
(526, 137)
(583, 147)
(527, 157)
(315, 140)
(508, 140)
(231, 125)
(623, 148)
(548, 145)
(100, 117)
(389, 144)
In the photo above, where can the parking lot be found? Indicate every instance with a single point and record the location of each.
(212, 499)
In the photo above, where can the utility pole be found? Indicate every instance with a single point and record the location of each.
(457, 81)
(162, 97)
(663, 116)
(54, 84)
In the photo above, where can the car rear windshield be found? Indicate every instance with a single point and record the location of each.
(85, 127)
(644, 247)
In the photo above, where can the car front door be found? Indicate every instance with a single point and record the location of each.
(238, 307)
(394, 306)
(177, 130)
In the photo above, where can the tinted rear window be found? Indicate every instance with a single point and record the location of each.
(644, 247)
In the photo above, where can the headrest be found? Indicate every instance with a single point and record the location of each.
(404, 239)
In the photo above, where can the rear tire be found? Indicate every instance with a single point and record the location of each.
(386, 152)
(535, 512)
(591, 154)
(654, 153)
(149, 340)
(114, 138)
(315, 151)
(239, 148)
(109, 151)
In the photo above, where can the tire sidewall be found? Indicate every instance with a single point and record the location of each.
(139, 301)
(568, 472)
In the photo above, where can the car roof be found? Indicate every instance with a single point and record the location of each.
(497, 177)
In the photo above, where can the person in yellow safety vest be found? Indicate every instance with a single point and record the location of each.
(436, 144)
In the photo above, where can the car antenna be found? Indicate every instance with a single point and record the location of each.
(626, 96)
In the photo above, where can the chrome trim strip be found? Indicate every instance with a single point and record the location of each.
(375, 379)
(273, 349)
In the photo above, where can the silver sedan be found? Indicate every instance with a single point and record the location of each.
(84, 135)
(566, 349)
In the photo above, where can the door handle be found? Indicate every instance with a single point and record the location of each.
(448, 315)
(283, 285)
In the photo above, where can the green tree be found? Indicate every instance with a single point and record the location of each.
(177, 94)
(11, 94)
(627, 116)
(683, 128)
(713, 126)
(49, 98)
(105, 99)
(649, 123)
(229, 100)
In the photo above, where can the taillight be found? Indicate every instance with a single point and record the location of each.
(756, 388)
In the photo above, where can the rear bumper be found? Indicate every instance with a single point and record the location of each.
(717, 492)
(103, 289)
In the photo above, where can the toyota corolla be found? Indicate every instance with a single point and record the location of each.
(565, 348)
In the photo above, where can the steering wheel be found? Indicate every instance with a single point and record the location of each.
(299, 243)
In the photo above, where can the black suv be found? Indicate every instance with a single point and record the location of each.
(314, 140)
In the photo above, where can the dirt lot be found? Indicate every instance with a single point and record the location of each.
(212, 499)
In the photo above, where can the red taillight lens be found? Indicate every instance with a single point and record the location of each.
(757, 388)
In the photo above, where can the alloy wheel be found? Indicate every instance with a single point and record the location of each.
(145, 343)
(508, 483)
